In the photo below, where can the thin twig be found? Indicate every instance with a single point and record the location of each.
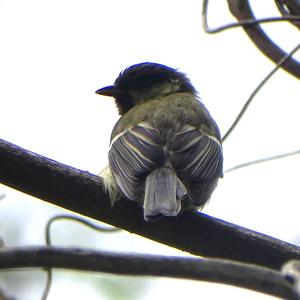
(241, 23)
(213, 270)
(49, 278)
(262, 160)
(256, 90)
(81, 220)
(73, 218)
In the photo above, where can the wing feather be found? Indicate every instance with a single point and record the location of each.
(198, 162)
(132, 156)
(195, 156)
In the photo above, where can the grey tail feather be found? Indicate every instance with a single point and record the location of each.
(163, 193)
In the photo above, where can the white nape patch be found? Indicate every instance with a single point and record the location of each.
(110, 185)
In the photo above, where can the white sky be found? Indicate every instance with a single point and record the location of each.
(55, 54)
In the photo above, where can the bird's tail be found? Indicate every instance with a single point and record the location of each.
(163, 193)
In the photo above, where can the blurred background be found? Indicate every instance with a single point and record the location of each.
(55, 54)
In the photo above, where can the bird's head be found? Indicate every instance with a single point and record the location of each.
(145, 82)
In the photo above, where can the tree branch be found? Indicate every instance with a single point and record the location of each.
(288, 8)
(214, 270)
(83, 193)
(247, 22)
(241, 10)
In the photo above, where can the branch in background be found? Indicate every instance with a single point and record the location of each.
(288, 8)
(83, 193)
(214, 270)
(98, 227)
(262, 160)
(254, 21)
(257, 89)
(241, 10)
(280, 63)
(84, 221)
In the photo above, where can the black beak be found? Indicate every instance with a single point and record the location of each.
(109, 90)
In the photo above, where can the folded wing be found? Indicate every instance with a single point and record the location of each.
(195, 157)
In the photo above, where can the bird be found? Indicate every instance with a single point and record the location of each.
(165, 150)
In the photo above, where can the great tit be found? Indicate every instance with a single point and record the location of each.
(165, 150)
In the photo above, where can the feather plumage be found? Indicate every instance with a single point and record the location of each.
(165, 150)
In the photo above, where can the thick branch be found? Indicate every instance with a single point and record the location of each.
(82, 192)
(241, 10)
(288, 8)
(215, 270)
